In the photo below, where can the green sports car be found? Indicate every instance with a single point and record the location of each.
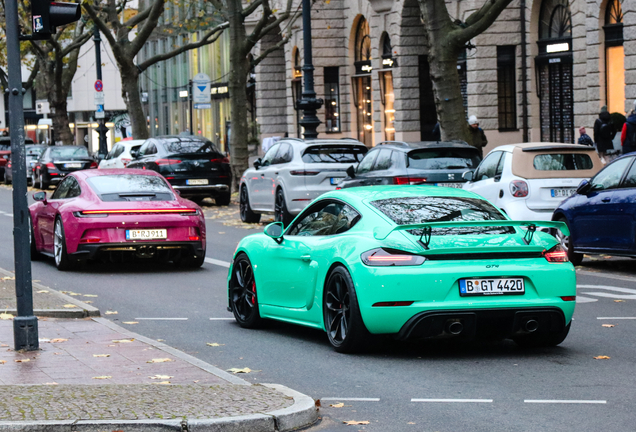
(409, 261)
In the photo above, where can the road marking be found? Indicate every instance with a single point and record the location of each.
(557, 401)
(221, 319)
(161, 319)
(616, 318)
(217, 262)
(7, 214)
(581, 299)
(615, 296)
(610, 288)
(453, 400)
(351, 399)
(619, 293)
(609, 276)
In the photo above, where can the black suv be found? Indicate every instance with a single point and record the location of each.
(401, 163)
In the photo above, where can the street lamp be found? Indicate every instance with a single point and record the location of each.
(309, 103)
(101, 129)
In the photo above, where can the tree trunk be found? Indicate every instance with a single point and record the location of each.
(60, 123)
(132, 98)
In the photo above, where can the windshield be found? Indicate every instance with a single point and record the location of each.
(69, 152)
(562, 162)
(417, 210)
(34, 150)
(131, 187)
(191, 147)
(334, 154)
(444, 158)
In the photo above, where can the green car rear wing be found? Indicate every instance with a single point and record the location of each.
(427, 227)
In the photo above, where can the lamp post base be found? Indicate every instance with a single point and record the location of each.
(25, 333)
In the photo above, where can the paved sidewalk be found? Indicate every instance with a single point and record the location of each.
(92, 375)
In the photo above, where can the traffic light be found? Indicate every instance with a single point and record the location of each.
(46, 15)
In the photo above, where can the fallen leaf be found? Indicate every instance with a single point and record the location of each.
(411, 423)
(3, 361)
(609, 325)
(619, 301)
(8, 278)
(161, 340)
(22, 360)
(160, 360)
(317, 403)
(130, 322)
(123, 340)
(69, 306)
(602, 357)
(88, 302)
(6, 316)
(196, 381)
(111, 312)
(51, 383)
(214, 344)
(101, 355)
(354, 422)
(163, 377)
(90, 295)
(74, 293)
(338, 405)
(44, 340)
(237, 370)
(42, 291)
(103, 377)
(162, 382)
(58, 340)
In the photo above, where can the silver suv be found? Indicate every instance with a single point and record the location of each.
(293, 173)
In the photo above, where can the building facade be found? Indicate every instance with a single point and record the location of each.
(545, 67)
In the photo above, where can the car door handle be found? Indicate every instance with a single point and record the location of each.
(501, 193)
(606, 199)
(262, 175)
(306, 258)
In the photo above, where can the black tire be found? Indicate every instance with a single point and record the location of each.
(280, 209)
(34, 181)
(243, 296)
(533, 340)
(247, 215)
(35, 255)
(575, 258)
(62, 261)
(345, 329)
(7, 180)
(223, 200)
(44, 185)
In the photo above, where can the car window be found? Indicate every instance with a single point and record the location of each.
(367, 163)
(120, 150)
(610, 176)
(383, 161)
(488, 167)
(500, 165)
(416, 210)
(270, 155)
(326, 218)
(151, 149)
(443, 158)
(111, 153)
(68, 152)
(62, 189)
(190, 146)
(131, 187)
(74, 189)
(562, 162)
(334, 154)
(284, 154)
(630, 179)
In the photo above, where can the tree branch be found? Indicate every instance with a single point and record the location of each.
(77, 43)
(270, 50)
(133, 21)
(101, 25)
(148, 27)
(32, 75)
(251, 8)
(486, 19)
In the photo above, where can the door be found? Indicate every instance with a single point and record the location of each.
(487, 177)
(46, 219)
(381, 172)
(428, 110)
(272, 173)
(362, 177)
(259, 188)
(625, 199)
(557, 103)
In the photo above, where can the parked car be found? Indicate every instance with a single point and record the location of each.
(192, 165)
(528, 181)
(293, 173)
(32, 153)
(56, 162)
(116, 215)
(601, 216)
(413, 262)
(5, 153)
(120, 156)
(395, 162)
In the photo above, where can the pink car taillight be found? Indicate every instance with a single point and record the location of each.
(90, 240)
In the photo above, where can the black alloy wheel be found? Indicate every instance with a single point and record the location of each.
(575, 258)
(343, 322)
(243, 293)
(62, 261)
(35, 255)
(280, 209)
(44, 184)
(247, 215)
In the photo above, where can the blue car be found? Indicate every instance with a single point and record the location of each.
(601, 216)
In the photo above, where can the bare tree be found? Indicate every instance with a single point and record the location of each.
(107, 15)
(446, 39)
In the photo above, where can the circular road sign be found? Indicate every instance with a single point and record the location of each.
(99, 85)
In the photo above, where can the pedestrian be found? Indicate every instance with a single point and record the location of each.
(585, 139)
(477, 136)
(604, 133)
(436, 133)
(628, 135)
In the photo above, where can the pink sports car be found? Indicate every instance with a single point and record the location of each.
(116, 215)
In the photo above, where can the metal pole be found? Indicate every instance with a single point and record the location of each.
(308, 104)
(190, 101)
(102, 130)
(25, 325)
(524, 72)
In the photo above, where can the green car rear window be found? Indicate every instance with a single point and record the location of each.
(416, 210)
(562, 162)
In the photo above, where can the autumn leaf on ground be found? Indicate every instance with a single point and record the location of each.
(160, 360)
(42, 291)
(354, 422)
(411, 423)
(338, 405)
(237, 370)
(88, 302)
(6, 316)
(123, 340)
(101, 355)
(73, 293)
(3, 361)
(69, 306)
(619, 301)
(130, 322)
(90, 295)
(162, 377)
(103, 377)
(162, 382)
(51, 383)
(111, 312)
(602, 357)
(214, 344)
(58, 340)
(22, 360)
(8, 278)
(609, 325)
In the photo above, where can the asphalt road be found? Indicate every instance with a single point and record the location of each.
(395, 386)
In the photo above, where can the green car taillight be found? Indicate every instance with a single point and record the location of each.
(391, 257)
(556, 255)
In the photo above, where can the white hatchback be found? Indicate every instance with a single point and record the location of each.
(119, 156)
(293, 173)
(528, 181)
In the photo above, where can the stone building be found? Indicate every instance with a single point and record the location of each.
(543, 79)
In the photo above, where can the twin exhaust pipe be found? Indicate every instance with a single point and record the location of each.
(456, 327)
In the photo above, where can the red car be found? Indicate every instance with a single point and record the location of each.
(116, 215)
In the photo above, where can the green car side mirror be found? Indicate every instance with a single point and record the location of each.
(275, 231)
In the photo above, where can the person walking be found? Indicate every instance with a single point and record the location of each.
(604, 133)
(628, 134)
(585, 139)
(477, 135)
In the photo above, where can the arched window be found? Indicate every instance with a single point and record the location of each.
(362, 82)
(614, 57)
(555, 21)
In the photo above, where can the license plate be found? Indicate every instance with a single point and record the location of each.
(197, 182)
(562, 193)
(149, 234)
(336, 180)
(476, 287)
(73, 165)
(450, 185)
